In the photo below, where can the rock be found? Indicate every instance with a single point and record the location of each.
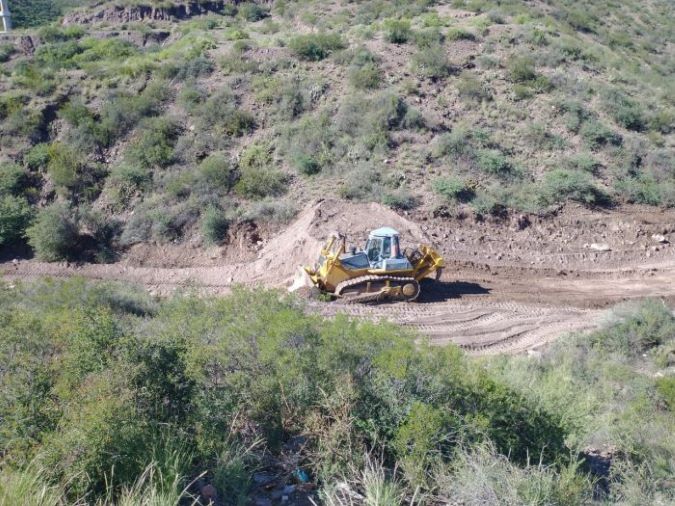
(600, 247)
(262, 479)
(659, 238)
(208, 493)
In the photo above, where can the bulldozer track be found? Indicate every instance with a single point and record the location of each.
(375, 296)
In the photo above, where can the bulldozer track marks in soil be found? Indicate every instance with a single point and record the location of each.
(484, 328)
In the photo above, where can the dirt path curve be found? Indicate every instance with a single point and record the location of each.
(536, 287)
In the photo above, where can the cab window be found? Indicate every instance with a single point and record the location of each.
(374, 246)
(386, 247)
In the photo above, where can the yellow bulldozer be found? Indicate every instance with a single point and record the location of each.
(381, 271)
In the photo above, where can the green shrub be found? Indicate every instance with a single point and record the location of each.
(122, 112)
(665, 386)
(217, 171)
(493, 162)
(596, 135)
(316, 46)
(64, 166)
(221, 114)
(454, 189)
(365, 77)
(561, 184)
(432, 62)
(96, 50)
(126, 181)
(636, 328)
(583, 162)
(214, 225)
(37, 157)
(271, 210)
(428, 37)
(53, 33)
(454, 144)
(13, 179)
(155, 146)
(455, 34)
(252, 12)
(6, 51)
(258, 179)
(401, 199)
(54, 234)
(397, 31)
(15, 216)
(471, 87)
(521, 69)
(624, 110)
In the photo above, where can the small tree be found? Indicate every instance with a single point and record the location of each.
(54, 234)
(15, 214)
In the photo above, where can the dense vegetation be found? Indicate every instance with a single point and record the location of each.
(161, 131)
(108, 395)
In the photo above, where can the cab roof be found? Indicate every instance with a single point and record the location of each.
(384, 232)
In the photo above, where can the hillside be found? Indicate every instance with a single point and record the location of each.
(129, 123)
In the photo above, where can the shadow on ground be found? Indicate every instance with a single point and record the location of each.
(439, 291)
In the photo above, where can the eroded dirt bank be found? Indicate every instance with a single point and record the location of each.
(510, 285)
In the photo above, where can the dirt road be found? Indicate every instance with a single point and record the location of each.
(510, 286)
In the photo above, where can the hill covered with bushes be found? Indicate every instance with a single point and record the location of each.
(111, 397)
(130, 125)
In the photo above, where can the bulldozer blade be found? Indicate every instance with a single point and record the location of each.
(302, 280)
(439, 273)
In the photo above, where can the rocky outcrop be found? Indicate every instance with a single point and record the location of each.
(142, 12)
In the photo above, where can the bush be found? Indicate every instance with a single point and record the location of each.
(217, 172)
(214, 225)
(665, 386)
(6, 51)
(493, 162)
(64, 165)
(54, 234)
(271, 210)
(454, 144)
(432, 62)
(397, 31)
(596, 135)
(455, 34)
(154, 148)
(258, 179)
(521, 69)
(252, 12)
(561, 184)
(470, 87)
(13, 179)
(257, 184)
(37, 157)
(15, 215)
(625, 111)
(428, 37)
(365, 77)
(454, 189)
(222, 116)
(317, 46)
(401, 199)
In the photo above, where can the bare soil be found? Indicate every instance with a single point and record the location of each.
(511, 284)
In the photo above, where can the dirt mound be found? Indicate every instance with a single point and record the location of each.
(301, 242)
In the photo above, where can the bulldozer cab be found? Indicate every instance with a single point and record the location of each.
(383, 247)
